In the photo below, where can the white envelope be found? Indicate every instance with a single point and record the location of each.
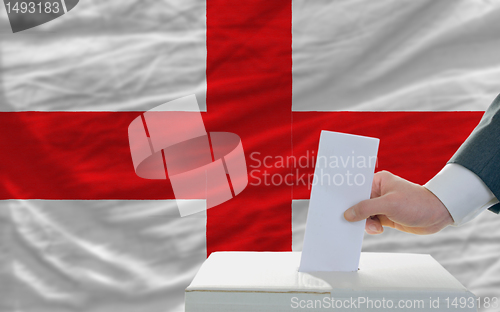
(343, 176)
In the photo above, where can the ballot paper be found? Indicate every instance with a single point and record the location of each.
(343, 176)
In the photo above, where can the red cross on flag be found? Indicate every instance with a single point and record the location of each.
(81, 231)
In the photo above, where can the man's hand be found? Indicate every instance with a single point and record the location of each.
(400, 204)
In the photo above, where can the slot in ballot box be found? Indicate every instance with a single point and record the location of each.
(271, 282)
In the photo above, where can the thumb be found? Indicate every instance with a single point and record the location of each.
(367, 208)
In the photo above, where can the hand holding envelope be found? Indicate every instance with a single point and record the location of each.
(400, 204)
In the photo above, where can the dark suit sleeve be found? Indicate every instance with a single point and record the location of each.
(480, 153)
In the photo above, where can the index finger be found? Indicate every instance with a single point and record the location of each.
(367, 208)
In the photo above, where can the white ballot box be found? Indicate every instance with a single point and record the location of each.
(270, 281)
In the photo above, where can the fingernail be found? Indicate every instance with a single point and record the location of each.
(373, 228)
(352, 214)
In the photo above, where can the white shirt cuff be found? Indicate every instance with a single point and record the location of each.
(462, 192)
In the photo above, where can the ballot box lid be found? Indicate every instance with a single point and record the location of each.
(245, 279)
